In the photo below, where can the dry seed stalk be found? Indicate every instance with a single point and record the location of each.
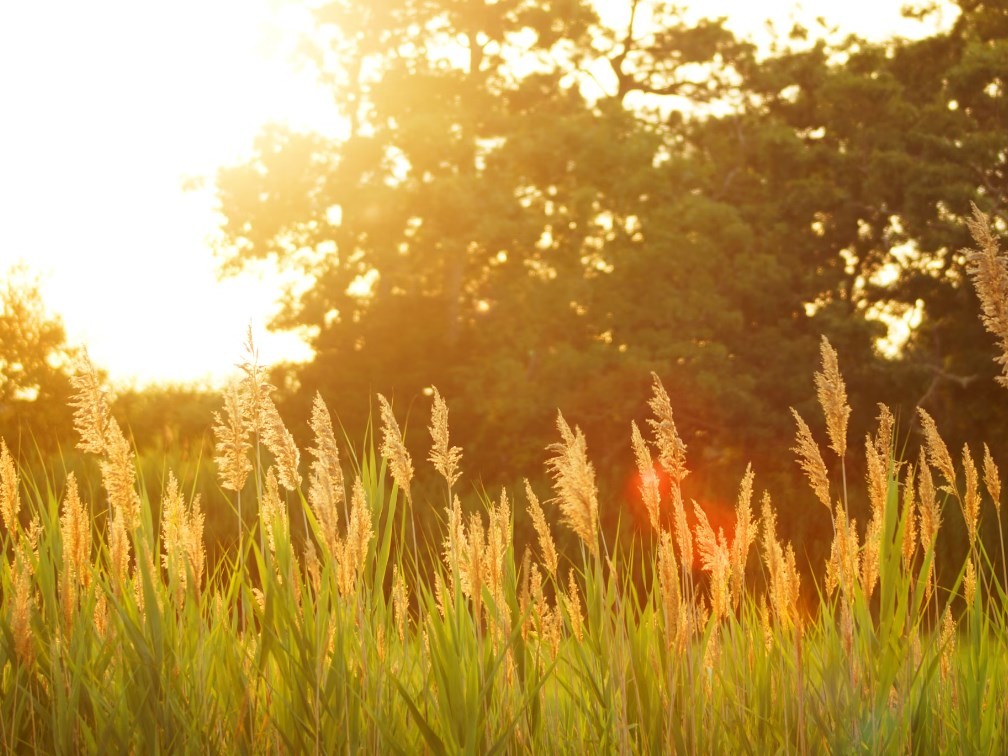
(92, 412)
(445, 458)
(546, 544)
(648, 476)
(989, 270)
(281, 444)
(394, 450)
(574, 607)
(21, 612)
(574, 481)
(671, 449)
(745, 534)
(10, 497)
(326, 491)
(971, 499)
(811, 461)
(832, 394)
(930, 516)
(75, 533)
(910, 519)
(938, 453)
(714, 560)
(992, 479)
(232, 446)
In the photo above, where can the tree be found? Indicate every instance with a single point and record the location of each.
(457, 233)
(34, 367)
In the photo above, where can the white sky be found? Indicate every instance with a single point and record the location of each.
(106, 107)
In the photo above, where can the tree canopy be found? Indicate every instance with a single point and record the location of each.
(531, 208)
(34, 366)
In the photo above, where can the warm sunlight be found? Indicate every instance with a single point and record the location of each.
(109, 107)
(587, 438)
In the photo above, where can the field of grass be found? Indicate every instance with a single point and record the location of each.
(121, 639)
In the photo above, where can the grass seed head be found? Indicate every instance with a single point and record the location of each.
(832, 394)
(574, 482)
(668, 575)
(671, 449)
(546, 545)
(938, 453)
(930, 516)
(326, 491)
(745, 534)
(648, 477)
(989, 270)
(280, 442)
(811, 461)
(715, 561)
(92, 411)
(119, 476)
(232, 445)
(394, 450)
(10, 495)
(445, 458)
(574, 607)
(992, 479)
(971, 499)
(909, 547)
(24, 604)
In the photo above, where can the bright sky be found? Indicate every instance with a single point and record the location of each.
(107, 106)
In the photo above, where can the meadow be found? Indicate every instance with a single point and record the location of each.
(117, 634)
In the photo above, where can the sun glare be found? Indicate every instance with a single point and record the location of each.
(110, 107)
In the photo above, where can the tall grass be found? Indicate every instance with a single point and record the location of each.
(345, 640)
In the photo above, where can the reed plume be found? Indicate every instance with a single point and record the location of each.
(394, 450)
(672, 458)
(22, 609)
(574, 482)
(119, 476)
(811, 461)
(75, 534)
(92, 411)
(930, 516)
(273, 513)
(844, 565)
(400, 602)
(671, 591)
(648, 477)
(745, 534)
(989, 270)
(715, 561)
(971, 499)
(498, 540)
(671, 449)
(910, 516)
(832, 394)
(546, 545)
(573, 601)
(360, 532)
(281, 444)
(445, 458)
(992, 479)
(254, 390)
(182, 539)
(937, 452)
(232, 447)
(326, 492)
(10, 496)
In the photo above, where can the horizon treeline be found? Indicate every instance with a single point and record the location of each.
(532, 209)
